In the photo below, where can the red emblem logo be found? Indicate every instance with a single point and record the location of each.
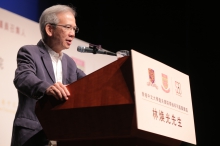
(151, 78)
(151, 75)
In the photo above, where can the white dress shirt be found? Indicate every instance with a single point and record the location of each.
(57, 64)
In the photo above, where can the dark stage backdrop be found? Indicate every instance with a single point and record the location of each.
(176, 33)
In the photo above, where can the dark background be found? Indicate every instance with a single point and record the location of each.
(177, 33)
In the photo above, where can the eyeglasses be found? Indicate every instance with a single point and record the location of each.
(68, 27)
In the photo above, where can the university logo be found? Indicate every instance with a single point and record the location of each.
(178, 88)
(165, 85)
(151, 77)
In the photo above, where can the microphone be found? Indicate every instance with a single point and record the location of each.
(94, 51)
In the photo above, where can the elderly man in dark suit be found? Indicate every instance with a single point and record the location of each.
(43, 69)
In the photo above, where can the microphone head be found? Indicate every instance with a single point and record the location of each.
(80, 49)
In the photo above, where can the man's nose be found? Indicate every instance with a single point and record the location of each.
(72, 33)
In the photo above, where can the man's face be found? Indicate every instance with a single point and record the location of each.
(62, 36)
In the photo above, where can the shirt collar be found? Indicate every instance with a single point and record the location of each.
(52, 52)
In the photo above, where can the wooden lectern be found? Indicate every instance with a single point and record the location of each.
(99, 112)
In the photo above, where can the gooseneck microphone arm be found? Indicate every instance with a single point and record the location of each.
(94, 50)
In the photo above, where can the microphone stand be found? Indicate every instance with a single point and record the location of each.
(95, 49)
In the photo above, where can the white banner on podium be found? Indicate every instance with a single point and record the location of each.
(163, 99)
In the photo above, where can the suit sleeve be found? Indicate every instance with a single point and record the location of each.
(80, 74)
(26, 80)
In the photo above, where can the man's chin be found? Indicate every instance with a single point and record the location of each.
(66, 47)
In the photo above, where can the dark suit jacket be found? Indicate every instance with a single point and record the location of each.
(34, 74)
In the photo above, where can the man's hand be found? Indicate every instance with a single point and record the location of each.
(59, 91)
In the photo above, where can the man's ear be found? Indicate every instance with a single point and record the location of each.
(49, 30)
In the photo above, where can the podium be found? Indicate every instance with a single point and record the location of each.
(100, 111)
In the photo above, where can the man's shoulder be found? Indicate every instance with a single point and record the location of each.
(29, 48)
(32, 47)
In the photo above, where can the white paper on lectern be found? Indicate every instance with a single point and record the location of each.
(163, 99)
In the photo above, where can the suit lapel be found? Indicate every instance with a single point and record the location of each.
(47, 61)
(48, 65)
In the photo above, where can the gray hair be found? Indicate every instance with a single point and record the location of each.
(50, 16)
